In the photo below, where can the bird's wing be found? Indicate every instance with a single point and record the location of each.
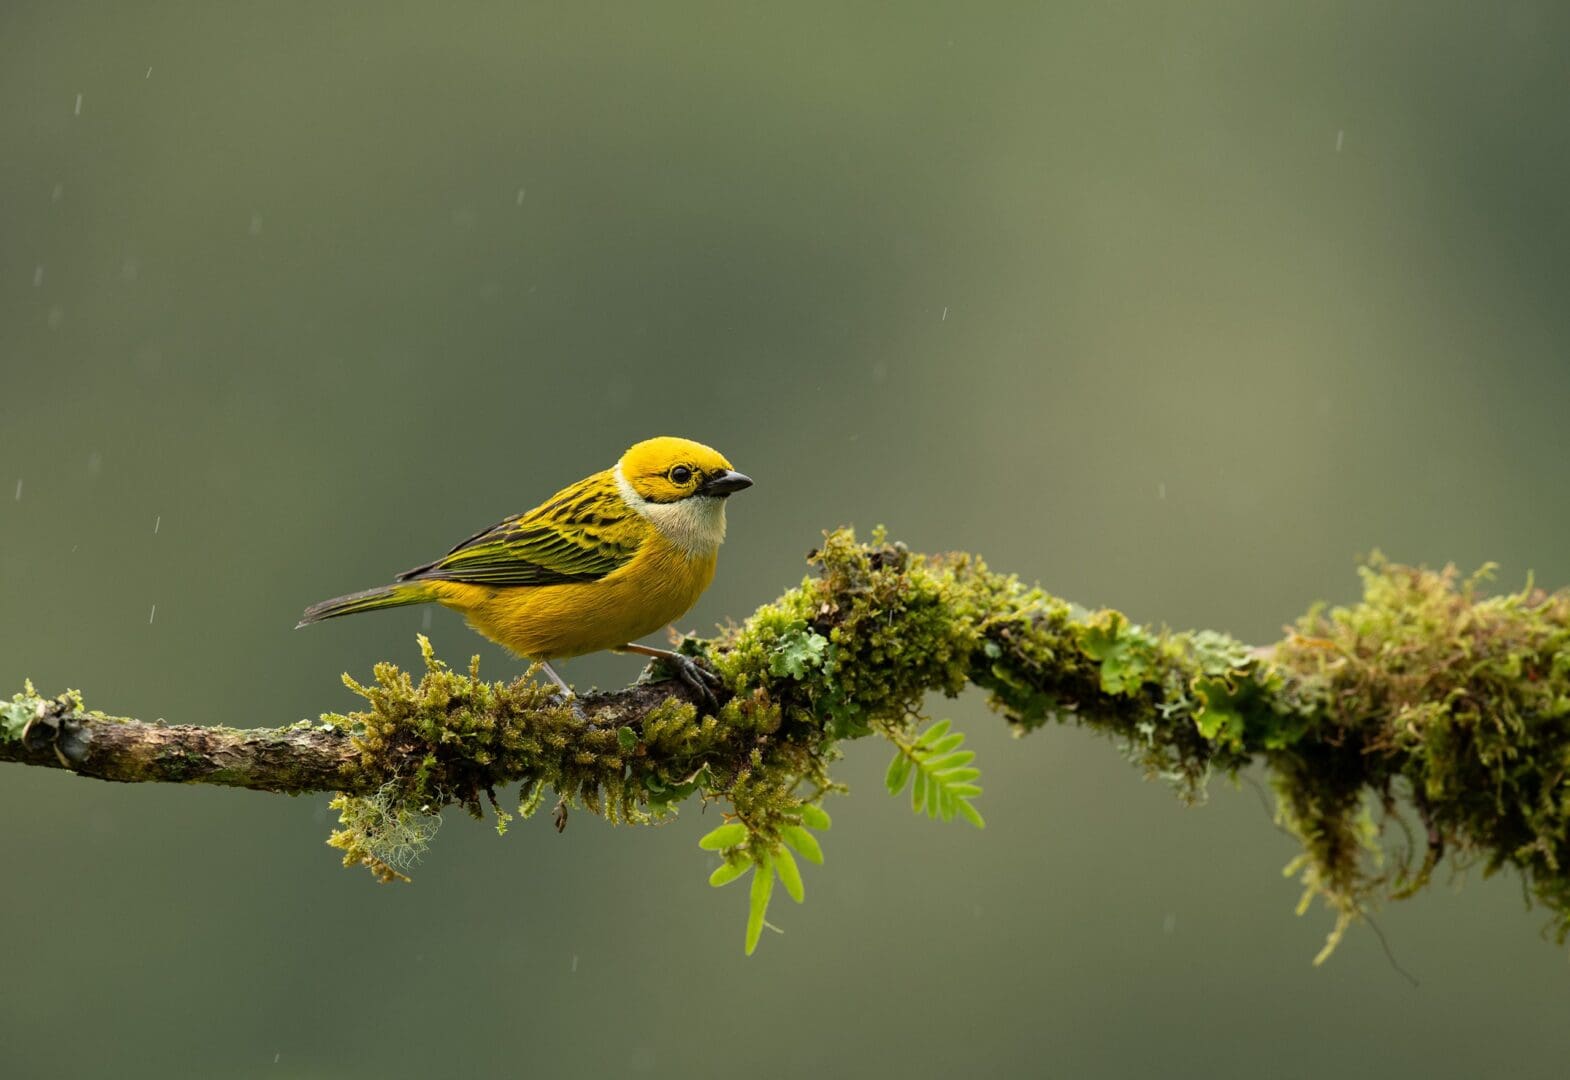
(582, 534)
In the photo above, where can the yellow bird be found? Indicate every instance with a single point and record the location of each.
(614, 557)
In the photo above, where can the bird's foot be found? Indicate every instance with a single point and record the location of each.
(568, 695)
(697, 678)
(570, 699)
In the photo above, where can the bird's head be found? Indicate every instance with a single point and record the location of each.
(681, 487)
(668, 470)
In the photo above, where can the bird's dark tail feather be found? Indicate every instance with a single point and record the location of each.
(387, 596)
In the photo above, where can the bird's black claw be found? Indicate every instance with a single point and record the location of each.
(698, 678)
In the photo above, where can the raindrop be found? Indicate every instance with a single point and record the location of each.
(519, 201)
(57, 193)
(425, 619)
(151, 614)
(1169, 923)
(18, 489)
(574, 963)
(256, 223)
(149, 74)
(1161, 490)
(945, 315)
(95, 463)
(1340, 137)
(56, 317)
(78, 110)
(157, 521)
(38, 275)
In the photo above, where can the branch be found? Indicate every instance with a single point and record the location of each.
(1426, 699)
(59, 733)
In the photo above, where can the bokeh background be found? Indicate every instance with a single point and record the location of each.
(1177, 308)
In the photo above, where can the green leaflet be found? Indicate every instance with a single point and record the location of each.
(814, 816)
(723, 837)
(730, 871)
(804, 842)
(762, 888)
(943, 777)
(898, 774)
(790, 875)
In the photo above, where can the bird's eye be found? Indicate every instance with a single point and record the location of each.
(680, 474)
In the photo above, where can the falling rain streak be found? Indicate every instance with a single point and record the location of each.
(157, 521)
(18, 489)
(151, 614)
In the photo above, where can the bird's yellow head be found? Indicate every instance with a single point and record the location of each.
(668, 469)
(680, 486)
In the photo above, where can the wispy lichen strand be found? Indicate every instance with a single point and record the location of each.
(1425, 719)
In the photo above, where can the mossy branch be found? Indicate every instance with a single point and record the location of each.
(1426, 701)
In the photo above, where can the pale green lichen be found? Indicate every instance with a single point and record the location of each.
(20, 712)
(382, 833)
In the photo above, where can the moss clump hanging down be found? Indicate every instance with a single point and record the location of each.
(1430, 696)
(1426, 719)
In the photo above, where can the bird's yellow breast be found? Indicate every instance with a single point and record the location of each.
(547, 622)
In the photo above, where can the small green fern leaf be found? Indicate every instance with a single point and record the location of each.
(742, 852)
(944, 777)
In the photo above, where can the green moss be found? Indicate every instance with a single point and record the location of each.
(1431, 697)
(1425, 701)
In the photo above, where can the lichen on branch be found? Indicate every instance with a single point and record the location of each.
(1426, 719)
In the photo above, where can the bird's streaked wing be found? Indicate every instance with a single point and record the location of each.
(581, 534)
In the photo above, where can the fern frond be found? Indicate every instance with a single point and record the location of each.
(743, 851)
(945, 780)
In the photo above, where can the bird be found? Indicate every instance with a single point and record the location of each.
(603, 562)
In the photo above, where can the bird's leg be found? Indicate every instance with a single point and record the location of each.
(700, 679)
(569, 695)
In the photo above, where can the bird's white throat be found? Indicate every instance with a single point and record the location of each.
(695, 524)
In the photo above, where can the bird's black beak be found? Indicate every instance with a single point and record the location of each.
(723, 484)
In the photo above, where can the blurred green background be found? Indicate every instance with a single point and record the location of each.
(1177, 308)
